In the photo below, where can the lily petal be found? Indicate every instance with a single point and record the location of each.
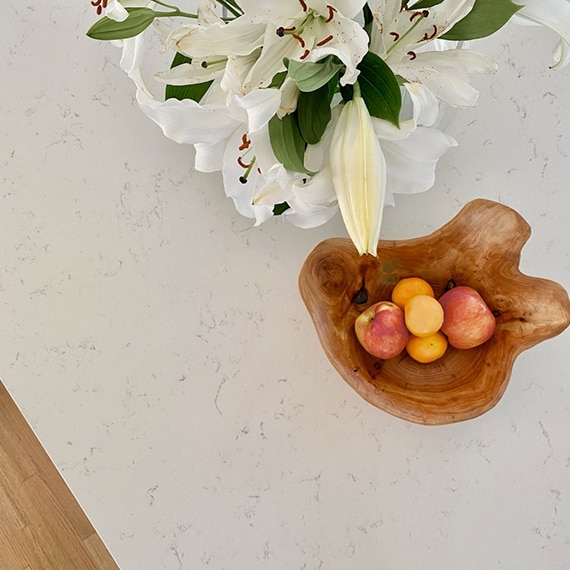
(191, 73)
(260, 105)
(422, 149)
(446, 74)
(239, 37)
(278, 12)
(209, 157)
(206, 12)
(237, 68)
(425, 106)
(270, 62)
(554, 14)
(186, 121)
(116, 11)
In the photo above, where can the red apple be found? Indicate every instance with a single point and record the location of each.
(467, 320)
(381, 330)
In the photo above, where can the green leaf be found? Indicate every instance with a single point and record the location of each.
(278, 209)
(287, 143)
(367, 15)
(379, 88)
(138, 20)
(485, 18)
(314, 111)
(180, 92)
(278, 80)
(425, 4)
(311, 76)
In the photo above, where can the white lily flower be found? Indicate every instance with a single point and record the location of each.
(305, 30)
(553, 14)
(358, 170)
(399, 31)
(229, 134)
(402, 38)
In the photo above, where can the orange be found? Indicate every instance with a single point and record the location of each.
(428, 348)
(423, 315)
(409, 287)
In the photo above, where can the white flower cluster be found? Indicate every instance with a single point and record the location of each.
(359, 159)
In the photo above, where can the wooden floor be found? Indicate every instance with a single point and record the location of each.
(42, 527)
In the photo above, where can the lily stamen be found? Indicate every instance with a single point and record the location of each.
(303, 5)
(242, 163)
(245, 142)
(299, 39)
(412, 54)
(244, 176)
(99, 5)
(204, 64)
(305, 54)
(325, 41)
(332, 11)
(282, 31)
(433, 35)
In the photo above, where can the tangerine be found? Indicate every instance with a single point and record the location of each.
(409, 287)
(428, 348)
(423, 315)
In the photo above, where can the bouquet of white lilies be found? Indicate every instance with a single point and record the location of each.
(308, 107)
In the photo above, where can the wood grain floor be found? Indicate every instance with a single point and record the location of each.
(42, 526)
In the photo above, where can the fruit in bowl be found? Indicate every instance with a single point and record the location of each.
(468, 322)
(426, 349)
(423, 315)
(381, 330)
(426, 325)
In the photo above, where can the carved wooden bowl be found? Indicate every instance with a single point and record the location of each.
(481, 248)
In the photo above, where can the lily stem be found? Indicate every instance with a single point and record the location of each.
(175, 11)
(231, 7)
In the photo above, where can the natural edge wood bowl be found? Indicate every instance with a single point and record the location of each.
(481, 248)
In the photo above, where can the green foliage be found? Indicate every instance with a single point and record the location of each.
(287, 143)
(180, 92)
(314, 111)
(312, 76)
(379, 88)
(425, 4)
(367, 14)
(485, 18)
(278, 80)
(278, 209)
(138, 20)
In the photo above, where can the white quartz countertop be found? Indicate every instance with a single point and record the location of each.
(158, 345)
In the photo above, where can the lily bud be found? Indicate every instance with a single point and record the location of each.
(359, 174)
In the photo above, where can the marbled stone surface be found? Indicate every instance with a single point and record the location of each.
(157, 343)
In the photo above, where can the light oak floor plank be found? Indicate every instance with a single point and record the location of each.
(42, 526)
